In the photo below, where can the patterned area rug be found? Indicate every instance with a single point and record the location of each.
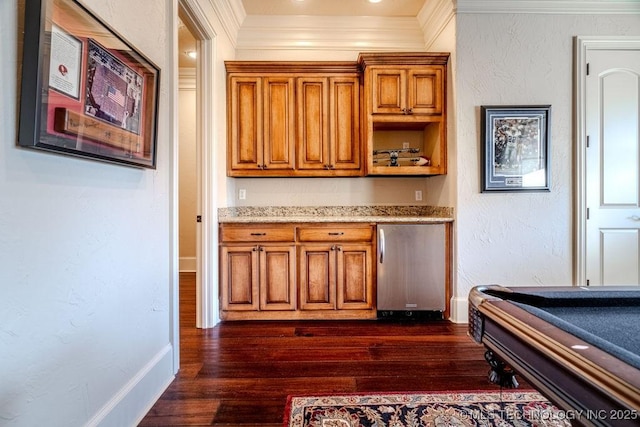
(451, 409)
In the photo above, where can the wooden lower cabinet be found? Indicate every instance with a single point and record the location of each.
(258, 277)
(335, 277)
(294, 271)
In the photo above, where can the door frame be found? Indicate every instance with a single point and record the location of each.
(582, 45)
(206, 268)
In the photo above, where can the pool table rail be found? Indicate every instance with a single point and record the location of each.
(577, 376)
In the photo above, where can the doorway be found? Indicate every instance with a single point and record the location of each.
(201, 218)
(187, 150)
(607, 161)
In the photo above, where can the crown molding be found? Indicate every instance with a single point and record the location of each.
(186, 78)
(578, 7)
(433, 18)
(357, 33)
(369, 33)
(231, 14)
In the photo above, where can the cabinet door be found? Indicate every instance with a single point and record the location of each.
(245, 123)
(313, 123)
(317, 276)
(279, 123)
(354, 276)
(424, 94)
(239, 277)
(328, 132)
(344, 123)
(277, 277)
(389, 90)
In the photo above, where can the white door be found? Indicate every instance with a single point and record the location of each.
(612, 158)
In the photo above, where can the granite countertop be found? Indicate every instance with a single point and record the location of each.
(377, 214)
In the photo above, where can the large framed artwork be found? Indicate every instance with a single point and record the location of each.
(515, 148)
(85, 90)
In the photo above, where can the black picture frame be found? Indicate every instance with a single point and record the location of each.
(515, 152)
(85, 90)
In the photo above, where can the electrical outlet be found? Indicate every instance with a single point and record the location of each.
(242, 194)
(418, 195)
(406, 145)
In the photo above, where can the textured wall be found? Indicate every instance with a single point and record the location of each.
(518, 59)
(84, 251)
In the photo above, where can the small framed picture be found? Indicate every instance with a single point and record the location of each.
(86, 91)
(516, 148)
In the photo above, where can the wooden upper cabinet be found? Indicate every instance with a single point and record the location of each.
(405, 113)
(407, 90)
(344, 123)
(279, 123)
(293, 119)
(425, 89)
(328, 124)
(313, 123)
(261, 129)
(244, 109)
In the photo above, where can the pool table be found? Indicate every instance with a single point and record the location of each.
(579, 346)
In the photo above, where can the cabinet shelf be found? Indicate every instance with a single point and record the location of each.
(423, 138)
(405, 106)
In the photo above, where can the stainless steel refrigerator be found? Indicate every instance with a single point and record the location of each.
(411, 270)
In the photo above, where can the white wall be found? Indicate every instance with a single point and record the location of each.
(187, 168)
(518, 59)
(85, 257)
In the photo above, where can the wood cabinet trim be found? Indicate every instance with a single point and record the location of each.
(251, 233)
(288, 67)
(346, 233)
(367, 59)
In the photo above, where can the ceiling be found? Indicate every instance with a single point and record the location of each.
(391, 8)
(186, 43)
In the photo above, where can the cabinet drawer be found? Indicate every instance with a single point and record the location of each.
(346, 233)
(267, 233)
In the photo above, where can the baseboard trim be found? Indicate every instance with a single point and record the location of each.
(129, 405)
(460, 310)
(188, 264)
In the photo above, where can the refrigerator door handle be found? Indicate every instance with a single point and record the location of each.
(381, 245)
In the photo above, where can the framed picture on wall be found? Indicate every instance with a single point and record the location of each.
(515, 148)
(85, 90)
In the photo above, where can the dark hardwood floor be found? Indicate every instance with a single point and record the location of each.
(240, 373)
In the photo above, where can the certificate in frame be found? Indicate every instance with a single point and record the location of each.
(85, 90)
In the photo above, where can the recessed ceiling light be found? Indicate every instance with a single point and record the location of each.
(375, 1)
